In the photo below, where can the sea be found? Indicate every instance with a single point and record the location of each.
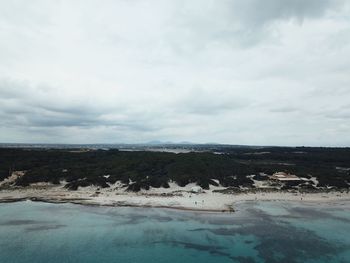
(36, 232)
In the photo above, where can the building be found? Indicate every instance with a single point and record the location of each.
(196, 189)
(283, 177)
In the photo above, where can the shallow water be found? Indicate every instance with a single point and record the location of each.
(257, 232)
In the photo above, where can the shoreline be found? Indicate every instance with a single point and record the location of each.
(74, 202)
(208, 201)
(111, 205)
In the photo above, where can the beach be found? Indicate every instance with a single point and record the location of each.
(174, 197)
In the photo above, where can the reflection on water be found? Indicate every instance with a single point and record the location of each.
(258, 232)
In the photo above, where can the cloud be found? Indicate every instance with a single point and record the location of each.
(206, 102)
(237, 23)
(338, 112)
(284, 109)
(259, 13)
(241, 72)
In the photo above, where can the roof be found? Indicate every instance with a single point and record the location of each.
(196, 189)
(281, 176)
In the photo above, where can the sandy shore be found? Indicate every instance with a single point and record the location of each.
(173, 197)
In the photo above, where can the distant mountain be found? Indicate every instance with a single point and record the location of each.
(157, 142)
(186, 142)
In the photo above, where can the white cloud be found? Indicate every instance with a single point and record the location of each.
(238, 72)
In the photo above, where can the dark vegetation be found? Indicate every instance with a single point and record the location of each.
(142, 169)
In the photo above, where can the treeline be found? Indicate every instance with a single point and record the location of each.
(141, 170)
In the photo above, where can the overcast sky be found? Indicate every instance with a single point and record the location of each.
(256, 72)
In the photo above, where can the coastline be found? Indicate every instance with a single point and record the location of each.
(208, 201)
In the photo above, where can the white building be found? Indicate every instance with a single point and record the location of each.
(196, 189)
(282, 176)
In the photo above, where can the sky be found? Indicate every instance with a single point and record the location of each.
(246, 72)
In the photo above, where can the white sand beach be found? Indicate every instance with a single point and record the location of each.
(173, 197)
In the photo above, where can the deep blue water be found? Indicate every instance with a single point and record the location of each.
(257, 232)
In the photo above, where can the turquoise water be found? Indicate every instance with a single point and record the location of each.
(257, 232)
